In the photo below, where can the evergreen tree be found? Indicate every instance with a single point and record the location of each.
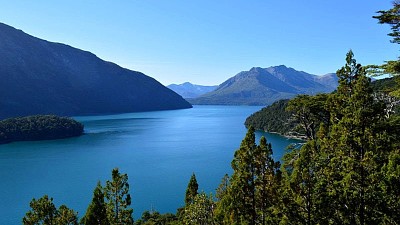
(118, 198)
(390, 187)
(243, 181)
(96, 213)
(252, 192)
(344, 174)
(392, 67)
(391, 17)
(200, 211)
(309, 112)
(191, 190)
(223, 187)
(66, 216)
(43, 211)
(267, 178)
(155, 218)
(353, 149)
(299, 196)
(223, 204)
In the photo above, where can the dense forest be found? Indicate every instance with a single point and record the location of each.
(273, 118)
(281, 118)
(347, 172)
(39, 127)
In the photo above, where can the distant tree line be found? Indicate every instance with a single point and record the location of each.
(39, 127)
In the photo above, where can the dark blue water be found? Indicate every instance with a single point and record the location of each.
(158, 150)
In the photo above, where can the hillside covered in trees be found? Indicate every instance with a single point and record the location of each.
(39, 127)
(273, 118)
(281, 118)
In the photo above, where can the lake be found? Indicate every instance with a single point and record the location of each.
(158, 150)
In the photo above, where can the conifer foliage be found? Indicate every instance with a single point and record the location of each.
(96, 212)
(43, 211)
(251, 192)
(192, 190)
(391, 67)
(339, 177)
(354, 143)
(118, 199)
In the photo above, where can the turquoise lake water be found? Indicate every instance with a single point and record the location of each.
(158, 150)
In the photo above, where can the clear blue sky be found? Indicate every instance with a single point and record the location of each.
(208, 41)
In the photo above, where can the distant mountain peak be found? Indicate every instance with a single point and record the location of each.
(255, 69)
(260, 86)
(280, 69)
(188, 90)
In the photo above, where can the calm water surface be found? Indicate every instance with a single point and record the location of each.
(158, 150)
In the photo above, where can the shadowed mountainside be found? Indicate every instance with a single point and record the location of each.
(41, 77)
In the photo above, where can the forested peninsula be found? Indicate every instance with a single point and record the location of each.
(38, 127)
(273, 118)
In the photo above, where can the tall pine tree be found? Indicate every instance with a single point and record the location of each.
(243, 181)
(118, 199)
(191, 190)
(254, 179)
(96, 213)
(43, 211)
(200, 211)
(267, 178)
(353, 149)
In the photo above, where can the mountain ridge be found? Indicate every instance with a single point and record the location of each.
(263, 86)
(42, 77)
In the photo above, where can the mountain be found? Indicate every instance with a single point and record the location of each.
(188, 90)
(263, 86)
(41, 77)
(329, 80)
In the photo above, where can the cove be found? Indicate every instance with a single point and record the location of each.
(158, 150)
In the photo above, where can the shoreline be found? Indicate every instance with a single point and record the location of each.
(297, 137)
